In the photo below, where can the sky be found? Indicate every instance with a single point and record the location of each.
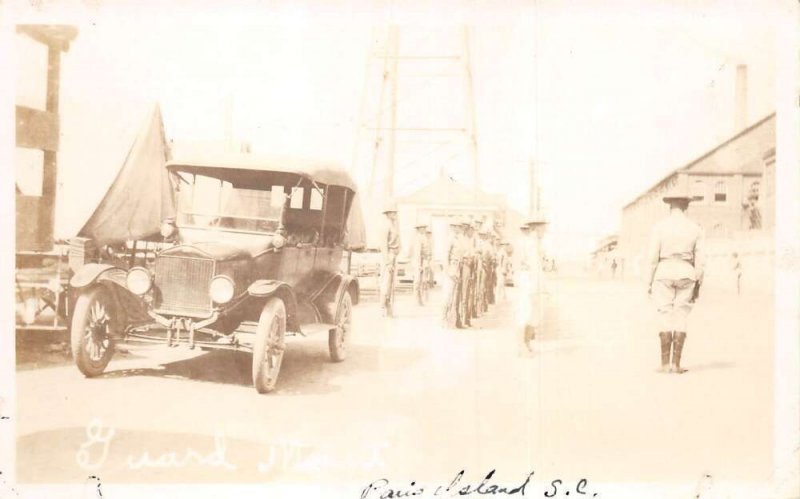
(604, 102)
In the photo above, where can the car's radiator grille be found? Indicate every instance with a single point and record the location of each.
(183, 284)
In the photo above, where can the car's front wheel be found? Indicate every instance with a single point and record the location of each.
(90, 334)
(269, 345)
(339, 337)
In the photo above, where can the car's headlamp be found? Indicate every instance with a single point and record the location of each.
(168, 228)
(278, 241)
(221, 289)
(139, 280)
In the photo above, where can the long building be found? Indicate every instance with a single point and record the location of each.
(734, 182)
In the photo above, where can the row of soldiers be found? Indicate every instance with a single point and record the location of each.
(476, 268)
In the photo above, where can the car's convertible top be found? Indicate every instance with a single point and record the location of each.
(319, 171)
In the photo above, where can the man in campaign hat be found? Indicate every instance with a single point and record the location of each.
(454, 285)
(486, 257)
(676, 272)
(468, 273)
(420, 256)
(390, 247)
(529, 279)
(429, 269)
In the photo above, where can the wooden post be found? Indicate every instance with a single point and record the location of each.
(45, 224)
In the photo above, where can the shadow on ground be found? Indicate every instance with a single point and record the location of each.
(306, 368)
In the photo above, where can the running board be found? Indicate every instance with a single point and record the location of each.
(317, 327)
(250, 327)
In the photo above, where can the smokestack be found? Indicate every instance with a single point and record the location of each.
(740, 96)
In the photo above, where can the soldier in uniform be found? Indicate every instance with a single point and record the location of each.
(468, 273)
(429, 268)
(420, 256)
(480, 274)
(454, 285)
(500, 268)
(676, 272)
(390, 247)
(488, 268)
(529, 279)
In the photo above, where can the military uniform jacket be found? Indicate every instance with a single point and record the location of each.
(390, 239)
(455, 253)
(676, 248)
(420, 251)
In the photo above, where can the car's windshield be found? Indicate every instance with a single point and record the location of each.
(206, 201)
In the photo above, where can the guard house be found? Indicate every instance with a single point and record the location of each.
(729, 182)
(445, 198)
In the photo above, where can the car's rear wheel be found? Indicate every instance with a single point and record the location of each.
(90, 333)
(339, 337)
(269, 345)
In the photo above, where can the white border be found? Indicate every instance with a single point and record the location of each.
(787, 282)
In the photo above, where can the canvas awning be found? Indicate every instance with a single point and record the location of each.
(141, 196)
(143, 193)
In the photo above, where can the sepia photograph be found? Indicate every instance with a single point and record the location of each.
(401, 249)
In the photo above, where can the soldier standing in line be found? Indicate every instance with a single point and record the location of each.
(468, 274)
(480, 243)
(477, 268)
(429, 269)
(488, 267)
(419, 257)
(390, 247)
(480, 274)
(676, 273)
(454, 285)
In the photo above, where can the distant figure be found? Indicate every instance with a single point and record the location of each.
(614, 268)
(429, 269)
(529, 280)
(501, 269)
(390, 247)
(737, 271)
(676, 274)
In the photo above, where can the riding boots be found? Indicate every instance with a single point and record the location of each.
(666, 347)
(677, 350)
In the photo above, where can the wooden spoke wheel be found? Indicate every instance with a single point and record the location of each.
(339, 337)
(91, 332)
(269, 345)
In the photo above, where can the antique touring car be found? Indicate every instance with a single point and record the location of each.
(255, 254)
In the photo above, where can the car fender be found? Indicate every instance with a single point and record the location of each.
(92, 273)
(265, 288)
(328, 301)
(128, 305)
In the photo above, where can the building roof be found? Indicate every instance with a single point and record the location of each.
(705, 163)
(445, 190)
